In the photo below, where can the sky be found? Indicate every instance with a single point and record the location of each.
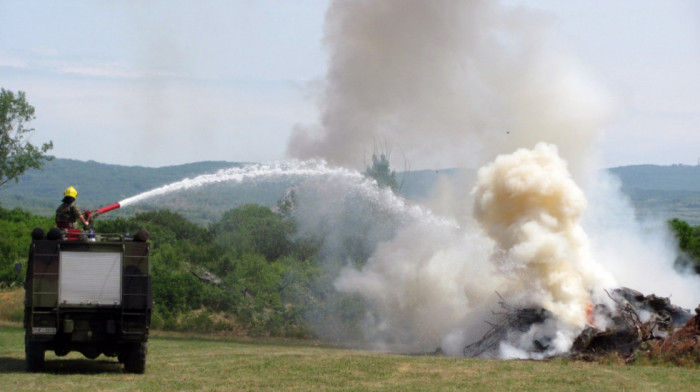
(161, 83)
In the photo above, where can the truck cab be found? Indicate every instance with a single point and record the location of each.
(88, 293)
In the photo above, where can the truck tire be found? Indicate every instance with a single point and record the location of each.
(135, 358)
(34, 354)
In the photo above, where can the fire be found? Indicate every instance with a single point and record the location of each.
(590, 316)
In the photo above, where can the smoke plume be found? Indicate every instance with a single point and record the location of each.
(429, 285)
(528, 203)
(462, 84)
(451, 83)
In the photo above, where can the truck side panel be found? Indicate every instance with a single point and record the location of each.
(42, 289)
(137, 295)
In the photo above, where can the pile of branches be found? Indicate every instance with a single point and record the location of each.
(682, 347)
(624, 337)
(635, 326)
(510, 319)
(630, 336)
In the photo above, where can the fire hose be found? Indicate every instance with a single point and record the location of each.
(100, 211)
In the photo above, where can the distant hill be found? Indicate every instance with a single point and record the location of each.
(418, 185)
(666, 191)
(666, 178)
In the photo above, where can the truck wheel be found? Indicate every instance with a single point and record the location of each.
(34, 354)
(135, 358)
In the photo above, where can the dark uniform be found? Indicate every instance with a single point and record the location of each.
(67, 214)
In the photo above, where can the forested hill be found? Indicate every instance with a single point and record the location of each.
(664, 191)
(666, 178)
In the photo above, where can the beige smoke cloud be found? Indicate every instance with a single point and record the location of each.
(530, 206)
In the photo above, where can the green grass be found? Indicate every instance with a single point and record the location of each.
(212, 364)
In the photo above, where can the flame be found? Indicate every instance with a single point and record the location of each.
(590, 316)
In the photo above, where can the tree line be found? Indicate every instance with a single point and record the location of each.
(243, 273)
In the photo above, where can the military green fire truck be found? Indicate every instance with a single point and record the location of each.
(88, 293)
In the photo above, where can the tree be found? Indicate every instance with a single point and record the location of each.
(254, 229)
(688, 244)
(17, 155)
(684, 234)
(381, 172)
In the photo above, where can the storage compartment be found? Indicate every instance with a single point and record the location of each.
(90, 278)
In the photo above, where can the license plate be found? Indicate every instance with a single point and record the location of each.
(44, 330)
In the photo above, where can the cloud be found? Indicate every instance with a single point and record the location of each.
(9, 60)
(113, 71)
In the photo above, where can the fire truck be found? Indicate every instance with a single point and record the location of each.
(89, 293)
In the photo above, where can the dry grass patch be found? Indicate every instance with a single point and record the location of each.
(11, 307)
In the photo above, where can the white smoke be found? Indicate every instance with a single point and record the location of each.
(639, 253)
(410, 267)
(417, 291)
(423, 284)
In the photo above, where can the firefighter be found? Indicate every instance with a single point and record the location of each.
(68, 212)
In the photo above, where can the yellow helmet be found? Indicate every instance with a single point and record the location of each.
(71, 192)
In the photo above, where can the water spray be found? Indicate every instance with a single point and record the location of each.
(310, 168)
(305, 170)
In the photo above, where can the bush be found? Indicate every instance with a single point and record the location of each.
(689, 244)
(253, 229)
(16, 227)
(176, 292)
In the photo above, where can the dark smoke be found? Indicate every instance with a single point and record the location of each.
(450, 83)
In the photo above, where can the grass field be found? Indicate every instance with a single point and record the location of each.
(215, 364)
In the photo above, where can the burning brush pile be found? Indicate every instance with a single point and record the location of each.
(631, 325)
(529, 205)
(434, 284)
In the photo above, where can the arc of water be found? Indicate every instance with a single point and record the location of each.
(305, 169)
